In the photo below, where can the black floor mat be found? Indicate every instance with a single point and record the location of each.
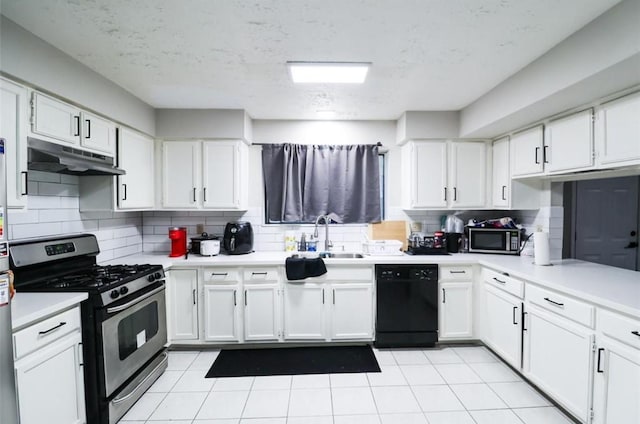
(293, 360)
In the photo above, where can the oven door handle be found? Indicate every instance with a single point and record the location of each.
(133, 392)
(133, 302)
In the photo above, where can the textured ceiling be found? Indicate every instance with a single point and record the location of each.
(426, 54)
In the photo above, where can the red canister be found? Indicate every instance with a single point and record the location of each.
(178, 237)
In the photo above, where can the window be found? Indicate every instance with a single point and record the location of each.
(302, 182)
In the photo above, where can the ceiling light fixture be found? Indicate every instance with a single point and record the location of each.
(328, 72)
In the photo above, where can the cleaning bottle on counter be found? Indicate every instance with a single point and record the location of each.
(303, 243)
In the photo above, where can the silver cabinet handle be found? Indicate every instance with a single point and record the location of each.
(194, 194)
(323, 296)
(222, 274)
(504, 187)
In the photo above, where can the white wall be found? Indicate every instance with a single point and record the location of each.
(601, 58)
(195, 123)
(28, 58)
(53, 210)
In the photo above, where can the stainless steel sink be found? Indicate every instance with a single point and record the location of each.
(338, 255)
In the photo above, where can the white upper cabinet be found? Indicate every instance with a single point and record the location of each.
(618, 132)
(180, 174)
(467, 168)
(98, 134)
(14, 111)
(569, 143)
(210, 175)
(444, 174)
(426, 163)
(62, 123)
(136, 157)
(501, 178)
(527, 152)
(55, 119)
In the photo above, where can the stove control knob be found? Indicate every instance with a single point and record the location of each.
(124, 290)
(151, 278)
(157, 275)
(114, 294)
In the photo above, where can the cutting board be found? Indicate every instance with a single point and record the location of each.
(390, 230)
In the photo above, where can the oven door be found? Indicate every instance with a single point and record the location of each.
(133, 332)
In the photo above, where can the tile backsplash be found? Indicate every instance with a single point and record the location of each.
(53, 209)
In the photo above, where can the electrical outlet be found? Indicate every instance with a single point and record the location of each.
(200, 228)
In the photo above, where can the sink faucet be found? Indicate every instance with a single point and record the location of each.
(327, 219)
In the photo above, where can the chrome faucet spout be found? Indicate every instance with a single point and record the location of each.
(327, 219)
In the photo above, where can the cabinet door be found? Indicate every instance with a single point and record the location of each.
(468, 167)
(502, 325)
(50, 384)
(569, 143)
(557, 358)
(501, 178)
(182, 304)
(526, 152)
(617, 384)
(180, 174)
(352, 311)
(261, 312)
(619, 131)
(456, 311)
(98, 134)
(221, 313)
(13, 128)
(429, 174)
(55, 119)
(304, 314)
(136, 156)
(221, 175)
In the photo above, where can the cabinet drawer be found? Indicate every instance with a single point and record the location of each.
(45, 332)
(256, 275)
(455, 273)
(573, 309)
(504, 282)
(621, 328)
(220, 275)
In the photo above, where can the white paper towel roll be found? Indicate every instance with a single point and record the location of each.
(541, 254)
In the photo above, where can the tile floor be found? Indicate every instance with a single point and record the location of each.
(450, 385)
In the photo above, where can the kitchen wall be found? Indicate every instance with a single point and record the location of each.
(36, 62)
(53, 210)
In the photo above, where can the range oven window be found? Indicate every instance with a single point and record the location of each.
(134, 330)
(488, 240)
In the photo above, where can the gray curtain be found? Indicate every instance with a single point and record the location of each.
(305, 181)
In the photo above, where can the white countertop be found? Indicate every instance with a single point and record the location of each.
(28, 308)
(611, 287)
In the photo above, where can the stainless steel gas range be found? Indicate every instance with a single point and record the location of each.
(124, 331)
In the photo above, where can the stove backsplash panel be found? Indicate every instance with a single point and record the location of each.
(53, 209)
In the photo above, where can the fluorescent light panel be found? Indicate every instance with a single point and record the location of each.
(328, 72)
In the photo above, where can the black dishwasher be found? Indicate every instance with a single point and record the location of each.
(407, 305)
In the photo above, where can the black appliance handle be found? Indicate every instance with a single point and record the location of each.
(129, 395)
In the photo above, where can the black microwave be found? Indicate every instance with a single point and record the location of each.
(494, 240)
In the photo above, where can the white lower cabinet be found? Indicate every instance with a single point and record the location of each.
(351, 311)
(455, 311)
(502, 326)
(182, 304)
(261, 311)
(221, 312)
(558, 359)
(49, 357)
(617, 370)
(304, 311)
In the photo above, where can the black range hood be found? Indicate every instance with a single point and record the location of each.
(50, 157)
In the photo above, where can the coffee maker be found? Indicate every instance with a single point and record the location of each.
(178, 237)
(238, 238)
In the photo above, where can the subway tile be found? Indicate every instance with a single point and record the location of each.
(23, 217)
(43, 176)
(69, 179)
(79, 226)
(55, 215)
(45, 202)
(21, 231)
(54, 189)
